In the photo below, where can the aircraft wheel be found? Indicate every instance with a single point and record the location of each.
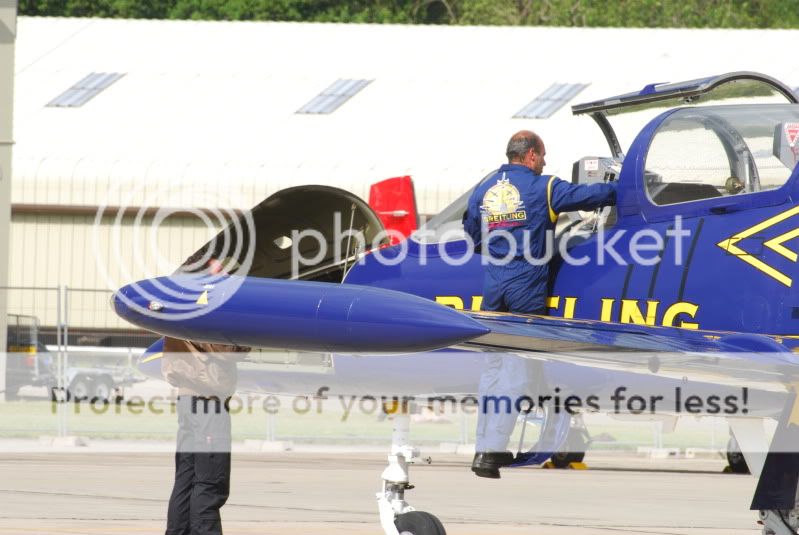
(736, 458)
(419, 523)
(574, 451)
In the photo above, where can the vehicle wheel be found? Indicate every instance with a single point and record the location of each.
(419, 523)
(103, 390)
(736, 458)
(574, 450)
(78, 389)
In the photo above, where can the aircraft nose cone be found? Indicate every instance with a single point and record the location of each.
(129, 304)
(142, 302)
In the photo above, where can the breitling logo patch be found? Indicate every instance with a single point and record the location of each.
(502, 205)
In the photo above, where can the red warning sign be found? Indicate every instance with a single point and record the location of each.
(792, 133)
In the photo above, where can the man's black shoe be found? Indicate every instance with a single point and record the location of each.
(488, 463)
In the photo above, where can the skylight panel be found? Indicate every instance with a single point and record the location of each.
(334, 96)
(550, 101)
(85, 90)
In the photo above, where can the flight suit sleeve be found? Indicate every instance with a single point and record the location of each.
(472, 221)
(565, 197)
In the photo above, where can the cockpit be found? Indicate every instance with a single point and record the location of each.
(720, 151)
(730, 135)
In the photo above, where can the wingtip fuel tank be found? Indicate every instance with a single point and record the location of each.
(295, 315)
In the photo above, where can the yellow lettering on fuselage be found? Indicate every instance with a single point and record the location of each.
(553, 303)
(450, 301)
(477, 302)
(568, 307)
(633, 311)
(607, 310)
(683, 307)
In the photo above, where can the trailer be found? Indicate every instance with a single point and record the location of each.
(31, 363)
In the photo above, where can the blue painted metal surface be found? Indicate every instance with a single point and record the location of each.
(726, 306)
(305, 316)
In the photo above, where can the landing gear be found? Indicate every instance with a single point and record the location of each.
(397, 517)
(419, 523)
(573, 451)
(566, 435)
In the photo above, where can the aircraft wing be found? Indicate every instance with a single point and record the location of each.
(737, 359)
(353, 319)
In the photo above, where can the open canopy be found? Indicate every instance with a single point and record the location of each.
(637, 108)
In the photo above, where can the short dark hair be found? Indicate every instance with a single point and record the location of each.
(520, 143)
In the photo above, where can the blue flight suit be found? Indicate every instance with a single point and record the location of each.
(525, 205)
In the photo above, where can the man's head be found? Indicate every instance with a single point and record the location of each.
(526, 148)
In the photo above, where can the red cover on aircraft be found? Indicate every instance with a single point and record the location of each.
(394, 201)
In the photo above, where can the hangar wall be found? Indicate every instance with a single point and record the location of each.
(8, 33)
(87, 255)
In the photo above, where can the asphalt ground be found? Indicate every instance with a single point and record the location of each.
(334, 493)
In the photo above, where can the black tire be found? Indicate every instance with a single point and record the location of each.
(573, 450)
(419, 523)
(735, 458)
(79, 389)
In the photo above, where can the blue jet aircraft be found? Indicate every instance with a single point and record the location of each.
(709, 182)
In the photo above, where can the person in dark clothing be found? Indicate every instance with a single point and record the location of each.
(513, 211)
(508, 218)
(206, 377)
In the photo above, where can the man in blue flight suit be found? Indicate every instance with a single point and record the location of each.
(508, 218)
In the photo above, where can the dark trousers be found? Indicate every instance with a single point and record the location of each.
(202, 467)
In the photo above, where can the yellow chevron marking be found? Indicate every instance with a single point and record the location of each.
(203, 299)
(775, 244)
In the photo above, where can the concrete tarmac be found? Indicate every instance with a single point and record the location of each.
(322, 493)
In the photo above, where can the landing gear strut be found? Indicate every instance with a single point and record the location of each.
(397, 517)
